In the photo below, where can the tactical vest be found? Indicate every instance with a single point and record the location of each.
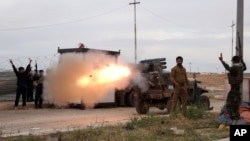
(235, 76)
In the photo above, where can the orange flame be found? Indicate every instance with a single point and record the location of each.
(108, 74)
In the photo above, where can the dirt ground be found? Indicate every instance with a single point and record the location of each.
(42, 121)
(211, 80)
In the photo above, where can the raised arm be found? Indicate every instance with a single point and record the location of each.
(226, 66)
(13, 66)
(28, 66)
(244, 67)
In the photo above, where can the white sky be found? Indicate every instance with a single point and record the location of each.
(198, 30)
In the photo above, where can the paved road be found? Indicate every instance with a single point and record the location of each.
(24, 122)
(226, 139)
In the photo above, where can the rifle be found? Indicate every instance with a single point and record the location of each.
(238, 47)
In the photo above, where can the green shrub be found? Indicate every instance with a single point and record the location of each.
(195, 112)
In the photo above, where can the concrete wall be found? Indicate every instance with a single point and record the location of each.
(246, 89)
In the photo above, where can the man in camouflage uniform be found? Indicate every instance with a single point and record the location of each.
(179, 79)
(235, 78)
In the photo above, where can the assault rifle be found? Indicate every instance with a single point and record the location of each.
(239, 47)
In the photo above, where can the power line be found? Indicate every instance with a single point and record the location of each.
(63, 23)
(160, 17)
(44, 62)
(177, 24)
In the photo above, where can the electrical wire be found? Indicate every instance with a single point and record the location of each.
(177, 24)
(63, 23)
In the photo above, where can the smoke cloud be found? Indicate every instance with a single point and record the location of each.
(75, 78)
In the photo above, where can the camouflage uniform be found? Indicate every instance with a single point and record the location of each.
(178, 75)
(235, 78)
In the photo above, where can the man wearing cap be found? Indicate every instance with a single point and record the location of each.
(22, 77)
(235, 78)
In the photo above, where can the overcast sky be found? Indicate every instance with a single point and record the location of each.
(198, 30)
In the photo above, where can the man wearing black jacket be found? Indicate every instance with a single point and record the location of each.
(22, 77)
(39, 90)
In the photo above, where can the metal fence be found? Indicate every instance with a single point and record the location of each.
(7, 76)
(43, 62)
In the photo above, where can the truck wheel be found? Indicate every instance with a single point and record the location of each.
(130, 100)
(204, 102)
(141, 107)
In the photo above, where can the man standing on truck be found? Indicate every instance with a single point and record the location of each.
(178, 77)
(235, 78)
(81, 45)
(22, 77)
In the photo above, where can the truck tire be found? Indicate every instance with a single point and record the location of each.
(204, 102)
(130, 100)
(141, 107)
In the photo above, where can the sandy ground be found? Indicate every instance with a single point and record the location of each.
(42, 121)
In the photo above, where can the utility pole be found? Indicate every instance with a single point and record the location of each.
(239, 34)
(134, 3)
(232, 38)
